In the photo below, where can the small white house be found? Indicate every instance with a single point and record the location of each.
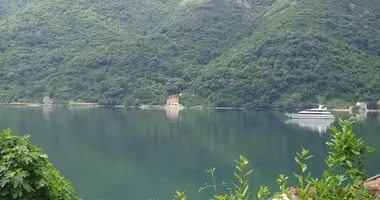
(47, 101)
(362, 105)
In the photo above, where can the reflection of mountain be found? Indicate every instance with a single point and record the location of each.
(319, 125)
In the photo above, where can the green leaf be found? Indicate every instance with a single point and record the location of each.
(4, 181)
(304, 167)
(355, 152)
(10, 174)
(237, 175)
(263, 192)
(236, 186)
(296, 175)
(249, 172)
(3, 168)
(309, 157)
(43, 156)
(349, 163)
(245, 184)
(343, 158)
(370, 149)
(245, 190)
(297, 160)
(18, 178)
(27, 187)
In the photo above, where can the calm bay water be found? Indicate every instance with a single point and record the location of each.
(115, 154)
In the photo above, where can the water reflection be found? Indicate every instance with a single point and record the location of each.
(46, 111)
(360, 116)
(127, 148)
(172, 113)
(319, 125)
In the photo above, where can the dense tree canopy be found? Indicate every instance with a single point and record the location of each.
(267, 53)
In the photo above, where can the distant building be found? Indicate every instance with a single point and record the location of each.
(173, 101)
(47, 101)
(173, 107)
(361, 105)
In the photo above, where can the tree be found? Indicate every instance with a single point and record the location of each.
(129, 101)
(372, 105)
(26, 173)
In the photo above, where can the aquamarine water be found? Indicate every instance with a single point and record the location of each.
(116, 153)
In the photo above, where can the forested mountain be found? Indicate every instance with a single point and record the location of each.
(254, 53)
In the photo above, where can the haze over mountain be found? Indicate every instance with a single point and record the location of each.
(253, 53)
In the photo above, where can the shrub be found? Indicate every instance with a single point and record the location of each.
(372, 105)
(26, 173)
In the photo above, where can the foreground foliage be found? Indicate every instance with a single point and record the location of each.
(26, 173)
(263, 53)
(343, 179)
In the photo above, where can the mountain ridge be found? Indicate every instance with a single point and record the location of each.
(267, 53)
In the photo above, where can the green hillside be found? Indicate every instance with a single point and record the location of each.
(8, 7)
(308, 49)
(254, 53)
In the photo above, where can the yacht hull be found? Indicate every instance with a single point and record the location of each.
(308, 116)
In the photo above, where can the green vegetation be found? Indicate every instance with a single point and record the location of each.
(26, 173)
(343, 179)
(310, 48)
(338, 103)
(265, 53)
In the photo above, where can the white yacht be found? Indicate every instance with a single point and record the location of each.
(314, 113)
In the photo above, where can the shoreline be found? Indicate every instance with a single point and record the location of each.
(348, 110)
(95, 105)
(150, 107)
(340, 110)
(70, 104)
(19, 104)
(158, 107)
